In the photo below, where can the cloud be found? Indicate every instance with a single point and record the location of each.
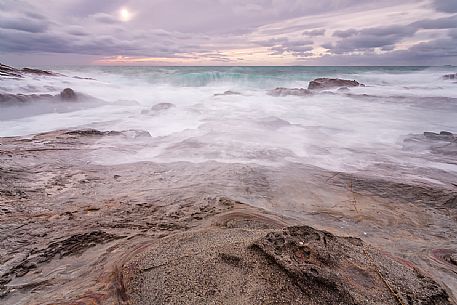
(256, 31)
(313, 33)
(449, 6)
(370, 38)
(23, 24)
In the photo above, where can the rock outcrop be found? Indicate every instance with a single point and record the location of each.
(13, 99)
(328, 83)
(344, 270)
(280, 91)
(8, 71)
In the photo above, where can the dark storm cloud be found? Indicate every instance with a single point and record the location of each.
(212, 29)
(440, 23)
(23, 24)
(367, 39)
(449, 6)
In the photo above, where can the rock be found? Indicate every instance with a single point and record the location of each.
(286, 91)
(162, 106)
(68, 95)
(228, 92)
(13, 72)
(133, 134)
(86, 132)
(9, 71)
(23, 98)
(344, 270)
(38, 72)
(450, 76)
(343, 89)
(442, 136)
(327, 83)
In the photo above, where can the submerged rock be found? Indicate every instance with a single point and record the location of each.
(280, 91)
(12, 99)
(450, 76)
(68, 95)
(328, 83)
(344, 270)
(23, 98)
(162, 106)
(228, 92)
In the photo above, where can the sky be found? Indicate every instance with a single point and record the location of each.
(228, 32)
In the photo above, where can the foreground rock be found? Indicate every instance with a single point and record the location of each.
(329, 83)
(343, 270)
(297, 265)
(287, 91)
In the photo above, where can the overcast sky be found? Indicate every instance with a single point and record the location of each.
(228, 32)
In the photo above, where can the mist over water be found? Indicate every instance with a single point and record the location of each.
(342, 131)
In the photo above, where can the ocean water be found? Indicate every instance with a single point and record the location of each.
(342, 131)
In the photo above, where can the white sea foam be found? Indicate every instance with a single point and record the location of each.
(333, 131)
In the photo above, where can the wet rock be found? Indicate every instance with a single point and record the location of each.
(68, 94)
(328, 83)
(344, 270)
(228, 92)
(23, 98)
(133, 134)
(73, 245)
(38, 72)
(162, 106)
(450, 76)
(287, 91)
(442, 136)
(9, 71)
(86, 78)
(86, 132)
(13, 72)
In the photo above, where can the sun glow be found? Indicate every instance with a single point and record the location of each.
(125, 14)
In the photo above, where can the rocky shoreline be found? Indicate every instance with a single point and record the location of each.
(59, 217)
(77, 231)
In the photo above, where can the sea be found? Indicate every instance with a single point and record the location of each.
(190, 119)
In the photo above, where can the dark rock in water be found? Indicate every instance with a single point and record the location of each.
(68, 95)
(327, 83)
(162, 106)
(287, 91)
(86, 78)
(86, 132)
(228, 92)
(13, 72)
(450, 76)
(23, 98)
(343, 89)
(9, 71)
(344, 270)
(443, 136)
(38, 72)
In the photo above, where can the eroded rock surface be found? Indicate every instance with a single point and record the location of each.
(344, 270)
(328, 83)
